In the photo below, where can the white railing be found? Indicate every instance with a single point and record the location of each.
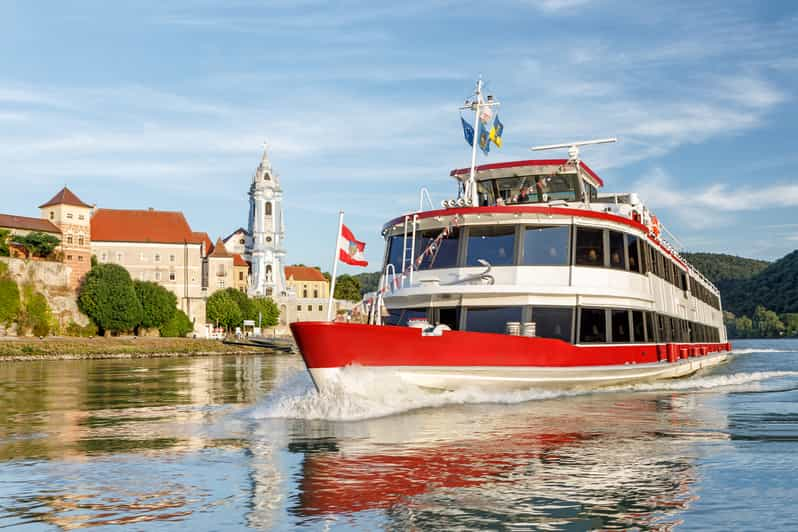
(421, 195)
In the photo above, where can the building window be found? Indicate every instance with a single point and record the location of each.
(242, 242)
(103, 256)
(80, 217)
(268, 209)
(305, 293)
(142, 257)
(52, 215)
(157, 276)
(69, 215)
(119, 257)
(268, 239)
(545, 246)
(299, 307)
(69, 239)
(221, 283)
(494, 244)
(240, 276)
(593, 325)
(321, 307)
(171, 276)
(589, 247)
(69, 257)
(157, 257)
(80, 240)
(80, 258)
(172, 257)
(143, 276)
(315, 292)
(310, 308)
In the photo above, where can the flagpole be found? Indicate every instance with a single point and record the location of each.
(472, 181)
(335, 266)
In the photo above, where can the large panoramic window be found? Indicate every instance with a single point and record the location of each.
(546, 246)
(445, 256)
(637, 326)
(620, 326)
(617, 255)
(552, 322)
(635, 264)
(530, 189)
(589, 247)
(593, 325)
(491, 319)
(401, 316)
(494, 244)
(395, 249)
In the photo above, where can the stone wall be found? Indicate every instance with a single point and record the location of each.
(53, 280)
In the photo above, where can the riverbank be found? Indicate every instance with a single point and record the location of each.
(65, 348)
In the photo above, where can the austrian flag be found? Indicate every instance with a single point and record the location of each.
(350, 250)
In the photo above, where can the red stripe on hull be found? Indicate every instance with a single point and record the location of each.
(332, 345)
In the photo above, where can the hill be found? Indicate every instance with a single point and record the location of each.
(719, 267)
(775, 288)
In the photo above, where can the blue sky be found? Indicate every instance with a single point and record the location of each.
(167, 104)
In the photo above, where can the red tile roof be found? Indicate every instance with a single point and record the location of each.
(238, 260)
(65, 197)
(303, 273)
(10, 221)
(219, 251)
(162, 227)
(202, 237)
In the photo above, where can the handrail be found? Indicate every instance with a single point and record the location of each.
(424, 191)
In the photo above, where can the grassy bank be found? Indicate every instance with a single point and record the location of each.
(126, 347)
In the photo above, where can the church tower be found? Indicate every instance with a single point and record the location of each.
(264, 245)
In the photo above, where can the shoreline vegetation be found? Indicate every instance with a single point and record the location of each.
(68, 348)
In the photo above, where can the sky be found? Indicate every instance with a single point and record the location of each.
(168, 105)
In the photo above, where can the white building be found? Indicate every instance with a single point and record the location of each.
(266, 233)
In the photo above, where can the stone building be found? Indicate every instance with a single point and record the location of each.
(236, 242)
(73, 218)
(241, 273)
(23, 225)
(220, 268)
(312, 292)
(156, 246)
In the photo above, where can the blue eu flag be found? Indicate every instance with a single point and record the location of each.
(468, 131)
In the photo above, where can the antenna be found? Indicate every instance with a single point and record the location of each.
(573, 147)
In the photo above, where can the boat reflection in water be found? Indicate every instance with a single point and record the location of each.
(607, 460)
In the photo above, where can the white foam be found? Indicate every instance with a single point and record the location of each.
(362, 394)
(752, 350)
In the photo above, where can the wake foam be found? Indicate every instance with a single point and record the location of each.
(363, 394)
(752, 350)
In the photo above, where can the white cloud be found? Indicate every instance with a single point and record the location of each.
(557, 6)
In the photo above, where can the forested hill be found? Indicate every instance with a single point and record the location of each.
(718, 267)
(775, 288)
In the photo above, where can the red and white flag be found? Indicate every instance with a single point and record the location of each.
(350, 249)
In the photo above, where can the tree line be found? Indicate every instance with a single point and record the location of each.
(764, 323)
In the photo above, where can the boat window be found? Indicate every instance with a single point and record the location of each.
(617, 255)
(400, 316)
(634, 254)
(546, 246)
(553, 322)
(620, 326)
(485, 193)
(589, 247)
(592, 325)
(445, 256)
(395, 244)
(637, 326)
(491, 319)
(449, 316)
(494, 244)
(651, 331)
(531, 189)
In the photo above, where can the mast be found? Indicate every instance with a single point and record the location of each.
(476, 104)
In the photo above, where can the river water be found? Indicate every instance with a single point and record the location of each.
(234, 443)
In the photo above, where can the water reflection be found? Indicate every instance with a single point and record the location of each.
(609, 462)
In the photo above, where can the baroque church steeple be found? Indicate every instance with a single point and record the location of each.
(266, 233)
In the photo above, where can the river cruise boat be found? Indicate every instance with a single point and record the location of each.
(532, 277)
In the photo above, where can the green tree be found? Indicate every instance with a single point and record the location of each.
(4, 234)
(744, 327)
(34, 314)
(9, 300)
(180, 325)
(790, 324)
(268, 310)
(369, 282)
(108, 297)
(767, 322)
(243, 302)
(729, 320)
(223, 310)
(38, 244)
(158, 304)
(347, 287)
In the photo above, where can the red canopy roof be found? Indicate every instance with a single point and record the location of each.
(531, 162)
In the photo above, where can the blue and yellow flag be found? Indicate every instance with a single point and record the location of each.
(468, 131)
(496, 132)
(484, 138)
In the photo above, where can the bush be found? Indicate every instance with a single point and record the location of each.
(9, 300)
(223, 310)
(158, 304)
(268, 310)
(38, 244)
(73, 329)
(108, 297)
(4, 252)
(34, 314)
(180, 325)
(347, 287)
